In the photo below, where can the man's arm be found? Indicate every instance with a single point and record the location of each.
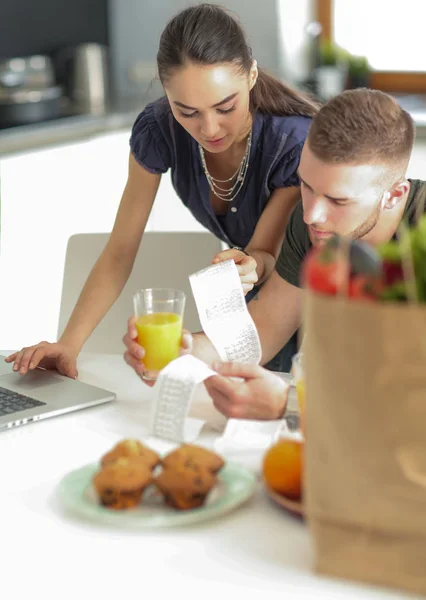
(202, 348)
(276, 311)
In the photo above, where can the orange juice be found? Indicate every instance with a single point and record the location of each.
(300, 390)
(159, 334)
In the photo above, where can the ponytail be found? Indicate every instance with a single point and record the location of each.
(272, 97)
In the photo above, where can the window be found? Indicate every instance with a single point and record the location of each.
(390, 35)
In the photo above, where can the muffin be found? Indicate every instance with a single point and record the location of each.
(185, 488)
(131, 448)
(189, 454)
(120, 484)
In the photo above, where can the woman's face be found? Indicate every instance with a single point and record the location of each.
(212, 103)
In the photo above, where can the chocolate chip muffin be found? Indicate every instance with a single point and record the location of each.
(120, 484)
(185, 488)
(131, 448)
(189, 454)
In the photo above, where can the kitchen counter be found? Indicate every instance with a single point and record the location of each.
(67, 129)
(415, 104)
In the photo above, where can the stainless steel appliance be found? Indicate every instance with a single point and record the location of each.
(83, 70)
(89, 88)
(28, 92)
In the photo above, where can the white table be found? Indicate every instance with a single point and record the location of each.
(256, 551)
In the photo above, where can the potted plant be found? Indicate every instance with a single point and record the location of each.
(359, 72)
(331, 73)
(331, 54)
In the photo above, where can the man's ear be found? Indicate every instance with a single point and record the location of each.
(396, 193)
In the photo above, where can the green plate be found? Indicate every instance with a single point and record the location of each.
(235, 485)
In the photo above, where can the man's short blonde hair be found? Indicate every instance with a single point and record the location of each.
(363, 126)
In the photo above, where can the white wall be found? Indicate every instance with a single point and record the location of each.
(136, 26)
(292, 18)
(47, 196)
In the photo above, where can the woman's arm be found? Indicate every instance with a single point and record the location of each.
(266, 240)
(113, 268)
(106, 280)
(268, 236)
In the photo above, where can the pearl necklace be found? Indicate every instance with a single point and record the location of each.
(240, 175)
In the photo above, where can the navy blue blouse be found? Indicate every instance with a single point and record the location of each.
(158, 142)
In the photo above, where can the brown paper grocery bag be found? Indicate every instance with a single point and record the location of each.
(365, 461)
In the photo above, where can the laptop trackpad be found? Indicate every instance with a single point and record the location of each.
(30, 382)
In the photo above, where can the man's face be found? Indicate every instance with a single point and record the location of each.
(342, 199)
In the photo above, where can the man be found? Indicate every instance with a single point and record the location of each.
(352, 171)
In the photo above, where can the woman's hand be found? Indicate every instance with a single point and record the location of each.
(246, 266)
(134, 352)
(57, 356)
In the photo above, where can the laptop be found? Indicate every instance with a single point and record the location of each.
(40, 394)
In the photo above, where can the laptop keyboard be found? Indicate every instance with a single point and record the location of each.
(12, 402)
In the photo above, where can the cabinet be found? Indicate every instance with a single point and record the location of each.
(47, 196)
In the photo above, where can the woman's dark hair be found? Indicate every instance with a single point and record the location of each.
(207, 34)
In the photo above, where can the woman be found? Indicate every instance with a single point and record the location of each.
(232, 137)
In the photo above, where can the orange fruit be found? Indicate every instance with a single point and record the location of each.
(283, 466)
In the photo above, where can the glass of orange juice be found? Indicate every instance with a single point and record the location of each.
(299, 379)
(159, 317)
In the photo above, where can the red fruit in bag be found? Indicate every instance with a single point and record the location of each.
(365, 287)
(325, 272)
(392, 272)
(326, 269)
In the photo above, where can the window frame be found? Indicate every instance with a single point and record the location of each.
(387, 81)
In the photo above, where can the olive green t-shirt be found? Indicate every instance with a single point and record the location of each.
(297, 243)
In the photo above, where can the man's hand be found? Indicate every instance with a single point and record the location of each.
(261, 395)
